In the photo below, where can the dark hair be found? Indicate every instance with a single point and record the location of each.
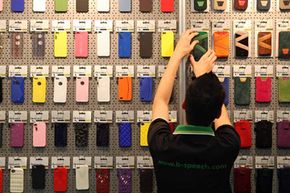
(204, 99)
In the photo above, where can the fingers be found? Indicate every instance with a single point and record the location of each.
(193, 44)
(192, 35)
(192, 60)
(189, 31)
(211, 56)
(207, 54)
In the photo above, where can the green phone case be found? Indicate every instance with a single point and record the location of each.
(60, 5)
(242, 91)
(284, 89)
(202, 47)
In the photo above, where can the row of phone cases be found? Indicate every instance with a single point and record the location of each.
(82, 6)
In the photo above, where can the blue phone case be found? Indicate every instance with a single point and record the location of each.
(125, 135)
(125, 44)
(17, 90)
(146, 89)
(226, 85)
(17, 5)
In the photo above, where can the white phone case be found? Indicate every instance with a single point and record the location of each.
(60, 89)
(82, 177)
(103, 5)
(39, 5)
(17, 180)
(103, 89)
(103, 43)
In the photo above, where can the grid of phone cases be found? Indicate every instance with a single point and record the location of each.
(135, 105)
(276, 11)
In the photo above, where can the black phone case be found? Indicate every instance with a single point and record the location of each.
(38, 177)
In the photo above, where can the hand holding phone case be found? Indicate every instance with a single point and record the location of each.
(220, 5)
(241, 5)
(125, 44)
(103, 5)
(283, 134)
(17, 90)
(146, 89)
(125, 135)
(104, 89)
(60, 44)
(60, 89)
(144, 128)
(283, 89)
(222, 44)
(242, 44)
(103, 180)
(38, 45)
(17, 45)
(264, 43)
(17, 6)
(82, 89)
(146, 44)
(263, 89)
(145, 5)
(125, 6)
(39, 5)
(82, 177)
(263, 5)
(16, 180)
(103, 43)
(60, 134)
(243, 128)
(103, 134)
(125, 180)
(60, 179)
(38, 177)
(39, 134)
(39, 89)
(284, 5)
(284, 45)
(167, 43)
(81, 44)
(82, 6)
(201, 48)
(17, 135)
(146, 180)
(81, 135)
(60, 5)
(167, 6)
(242, 91)
(200, 5)
(125, 88)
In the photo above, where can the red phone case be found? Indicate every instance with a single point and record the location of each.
(1, 180)
(60, 179)
(167, 6)
(81, 44)
(263, 89)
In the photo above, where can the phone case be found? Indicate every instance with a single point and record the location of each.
(39, 90)
(82, 177)
(60, 177)
(82, 89)
(81, 134)
(241, 5)
(104, 89)
(17, 180)
(102, 180)
(144, 128)
(242, 91)
(81, 44)
(1, 180)
(222, 44)
(125, 44)
(82, 6)
(263, 89)
(60, 44)
(17, 6)
(200, 5)
(103, 134)
(244, 129)
(1, 5)
(125, 135)
(103, 44)
(39, 134)
(283, 134)
(1, 135)
(263, 131)
(264, 43)
(167, 43)
(125, 88)
(60, 89)
(1, 89)
(283, 89)
(146, 89)
(146, 5)
(60, 5)
(284, 5)
(125, 5)
(103, 5)
(38, 177)
(226, 85)
(146, 44)
(17, 135)
(125, 180)
(242, 180)
(17, 90)
(39, 5)
(60, 134)
(263, 5)
(284, 46)
(220, 5)
(38, 45)
(242, 44)
(167, 6)
(146, 180)
(201, 48)
(17, 45)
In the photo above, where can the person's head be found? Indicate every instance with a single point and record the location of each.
(204, 100)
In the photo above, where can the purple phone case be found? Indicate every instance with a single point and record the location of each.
(17, 135)
(283, 135)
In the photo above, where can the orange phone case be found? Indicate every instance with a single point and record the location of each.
(222, 44)
(125, 88)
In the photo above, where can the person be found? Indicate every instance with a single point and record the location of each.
(195, 158)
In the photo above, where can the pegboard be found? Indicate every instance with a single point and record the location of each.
(274, 104)
(50, 150)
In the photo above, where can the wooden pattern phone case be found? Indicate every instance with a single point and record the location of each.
(264, 43)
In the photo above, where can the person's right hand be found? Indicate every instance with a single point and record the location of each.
(204, 65)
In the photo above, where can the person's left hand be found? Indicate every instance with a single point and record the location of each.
(184, 45)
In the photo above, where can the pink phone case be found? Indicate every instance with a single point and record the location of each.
(39, 134)
(1, 5)
(82, 89)
(81, 44)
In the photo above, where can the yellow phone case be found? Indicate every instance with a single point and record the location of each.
(60, 44)
(39, 90)
(144, 128)
(167, 44)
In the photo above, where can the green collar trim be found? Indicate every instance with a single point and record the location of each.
(193, 130)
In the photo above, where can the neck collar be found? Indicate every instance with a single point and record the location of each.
(193, 130)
